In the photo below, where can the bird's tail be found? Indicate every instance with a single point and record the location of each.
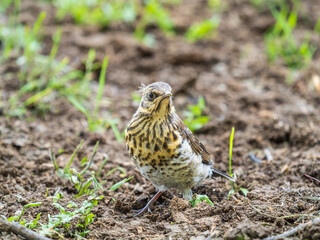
(217, 173)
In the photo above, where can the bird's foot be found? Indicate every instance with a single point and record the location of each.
(141, 211)
(149, 204)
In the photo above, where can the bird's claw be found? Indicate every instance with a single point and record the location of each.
(149, 204)
(139, 212)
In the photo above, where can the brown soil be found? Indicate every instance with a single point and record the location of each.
(241, 89)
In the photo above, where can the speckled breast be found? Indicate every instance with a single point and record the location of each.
(153, 143)
(162, 155)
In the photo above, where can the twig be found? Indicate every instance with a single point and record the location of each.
(18, 229)
(268, 154)
(294, 230)
(312, 178)
(254, 158)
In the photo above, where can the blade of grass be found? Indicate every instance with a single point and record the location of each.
(37, 96)
(78, 105)
(38, 23)
(96, 183)
(230, 152)
(106, 158)
(74, 154)
(317, 26)
(26, 206)
(113, 125)
(118, 184)
(122, 170)
(91, 160)
(102, 80)
(56, 42)
(89, 65)
(83, 188)
(53, 160)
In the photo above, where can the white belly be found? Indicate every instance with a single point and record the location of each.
(181, 173)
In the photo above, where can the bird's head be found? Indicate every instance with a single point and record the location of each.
(156, 100)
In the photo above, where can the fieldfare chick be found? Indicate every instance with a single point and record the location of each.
(163, 147)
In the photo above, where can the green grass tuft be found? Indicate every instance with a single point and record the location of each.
(194, 115)
(153, 13)
(281, 44)
(96, 12)
(196, 199)
(205, 29)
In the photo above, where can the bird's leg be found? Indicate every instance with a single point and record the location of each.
(149, 204)
(187, 194)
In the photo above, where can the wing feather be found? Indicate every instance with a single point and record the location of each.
(195, 144)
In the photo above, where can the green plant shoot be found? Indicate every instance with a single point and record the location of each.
(196, 199)
(230, 151)
(205, 29)
(194, 118)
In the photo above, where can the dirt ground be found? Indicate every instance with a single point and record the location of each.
(241, 89)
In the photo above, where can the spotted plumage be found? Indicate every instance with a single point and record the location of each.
(163, 147)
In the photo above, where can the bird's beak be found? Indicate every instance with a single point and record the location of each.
(163, 97)
(167, 95)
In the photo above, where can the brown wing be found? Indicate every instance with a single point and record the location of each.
(195, 144)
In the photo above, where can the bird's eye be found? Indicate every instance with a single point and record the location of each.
(152, 95)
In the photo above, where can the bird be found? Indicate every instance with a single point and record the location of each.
(163, 148)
